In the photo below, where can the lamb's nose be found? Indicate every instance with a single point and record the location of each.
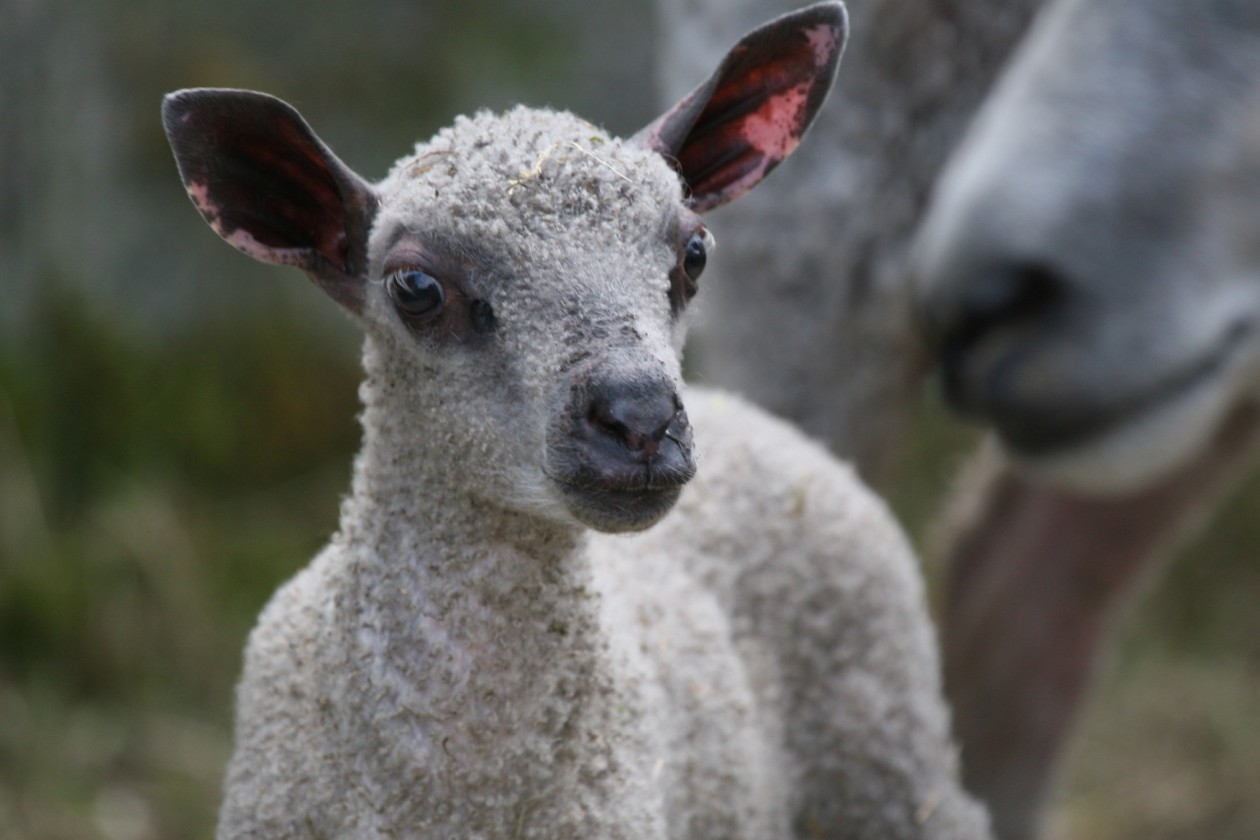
(636, 415)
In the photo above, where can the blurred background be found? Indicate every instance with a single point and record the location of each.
(177, 421)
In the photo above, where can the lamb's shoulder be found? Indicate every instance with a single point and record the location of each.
(816, 578)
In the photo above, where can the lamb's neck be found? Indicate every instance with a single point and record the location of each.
(468, 599)
(429, 548)
(476, 650)
(475, 625)
(397, 509)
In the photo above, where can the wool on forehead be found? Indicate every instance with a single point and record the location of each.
(532, 170)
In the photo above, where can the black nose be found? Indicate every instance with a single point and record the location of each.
(620, 451)
(962, 312)
(634, 414)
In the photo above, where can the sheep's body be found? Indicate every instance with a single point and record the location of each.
(475, 655)
(823, 602)
(761, 656)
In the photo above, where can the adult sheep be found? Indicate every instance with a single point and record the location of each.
(1091, 284)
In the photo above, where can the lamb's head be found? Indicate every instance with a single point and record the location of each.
(522, 277)
(534, 272)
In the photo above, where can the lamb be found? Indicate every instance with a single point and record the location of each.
(508, 636)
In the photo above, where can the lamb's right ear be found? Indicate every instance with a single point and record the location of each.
(270, 187)
(728, 133)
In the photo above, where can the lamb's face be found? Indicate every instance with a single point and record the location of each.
(528, 281)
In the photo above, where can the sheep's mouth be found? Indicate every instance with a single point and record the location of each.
(1042, 433)
(627, 499)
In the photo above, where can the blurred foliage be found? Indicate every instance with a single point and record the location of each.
(151, 499)
(1170, 747)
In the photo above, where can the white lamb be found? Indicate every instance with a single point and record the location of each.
(477, 654)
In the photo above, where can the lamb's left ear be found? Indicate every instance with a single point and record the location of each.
(268, 185)
(728, 133)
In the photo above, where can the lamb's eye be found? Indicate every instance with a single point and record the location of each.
(416, 295)
(682, 280)
(697, 253)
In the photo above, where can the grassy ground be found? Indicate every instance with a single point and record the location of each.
(152, 497)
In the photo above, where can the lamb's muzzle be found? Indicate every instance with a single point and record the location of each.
(623, 452)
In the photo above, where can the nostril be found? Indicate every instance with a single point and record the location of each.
(1018, 293)
(636, 417)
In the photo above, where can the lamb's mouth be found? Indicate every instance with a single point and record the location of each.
(625, 501)
(1046, 433)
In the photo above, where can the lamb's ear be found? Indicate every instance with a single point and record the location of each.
(728, 133)
(269, 186)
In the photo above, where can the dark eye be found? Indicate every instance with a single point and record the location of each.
(697, 253)
(416, 295)
(691, 261)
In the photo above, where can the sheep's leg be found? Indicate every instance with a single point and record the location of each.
(1034, 581)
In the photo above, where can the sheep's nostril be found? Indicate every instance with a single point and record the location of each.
(962, 314)
(995, 298)
(1002, 296)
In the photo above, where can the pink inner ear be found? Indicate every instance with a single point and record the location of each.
(240, 238)
(774, 130)
(775, 127)
(245, 242)
(826, 43)
(757, 114)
